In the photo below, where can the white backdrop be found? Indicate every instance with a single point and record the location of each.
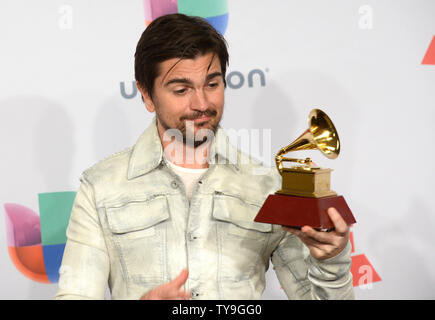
(62, 64)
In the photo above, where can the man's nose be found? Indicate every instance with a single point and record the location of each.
(199, 101)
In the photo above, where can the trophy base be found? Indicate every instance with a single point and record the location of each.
(296, 212)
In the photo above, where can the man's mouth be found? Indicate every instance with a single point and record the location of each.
(200, 119)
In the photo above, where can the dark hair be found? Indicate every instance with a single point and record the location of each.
(175, 36)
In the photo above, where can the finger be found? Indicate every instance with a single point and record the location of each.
(185, 295)
(171, 293)
(316, 252)
(311, 243)
(340, 225)
(174, 295)
(179, 295)
(295, 232)
(308, 241)
(170, 290)
(291, 230)
(179, 280)
(319, 236)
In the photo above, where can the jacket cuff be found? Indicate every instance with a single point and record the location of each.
(333, 268)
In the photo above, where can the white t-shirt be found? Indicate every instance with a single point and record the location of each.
(189, 176)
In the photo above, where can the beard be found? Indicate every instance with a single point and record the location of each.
(186, 125)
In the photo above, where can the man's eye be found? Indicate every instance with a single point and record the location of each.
(213, 84)
(180, 91)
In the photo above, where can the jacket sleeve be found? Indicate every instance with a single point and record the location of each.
(85, 264)
(304, 277)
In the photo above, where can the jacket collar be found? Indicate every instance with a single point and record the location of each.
(147, 153)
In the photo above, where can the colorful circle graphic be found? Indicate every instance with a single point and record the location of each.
(214, 11)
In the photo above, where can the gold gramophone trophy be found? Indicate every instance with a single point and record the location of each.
(306, 195)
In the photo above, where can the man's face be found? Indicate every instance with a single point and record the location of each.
(188, 90)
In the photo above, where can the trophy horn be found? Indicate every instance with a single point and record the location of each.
(321, 135)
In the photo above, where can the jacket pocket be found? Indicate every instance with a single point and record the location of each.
(241, 240)
(139, 231)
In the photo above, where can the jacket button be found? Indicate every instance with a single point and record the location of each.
(191, 236)
(174, 184)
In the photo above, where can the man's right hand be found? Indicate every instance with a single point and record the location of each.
(171, 290)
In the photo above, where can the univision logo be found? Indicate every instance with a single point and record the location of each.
(214, 11)
(36, 242)
(235, 80)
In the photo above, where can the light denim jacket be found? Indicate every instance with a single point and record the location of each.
(132, 228)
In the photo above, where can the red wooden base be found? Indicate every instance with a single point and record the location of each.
(299, 211)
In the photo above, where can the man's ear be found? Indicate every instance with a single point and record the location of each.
(146, 98)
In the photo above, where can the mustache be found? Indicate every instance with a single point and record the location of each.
(198, 114)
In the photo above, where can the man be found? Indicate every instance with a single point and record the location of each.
(172, 217)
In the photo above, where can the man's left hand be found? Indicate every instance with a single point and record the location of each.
(324, 245)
